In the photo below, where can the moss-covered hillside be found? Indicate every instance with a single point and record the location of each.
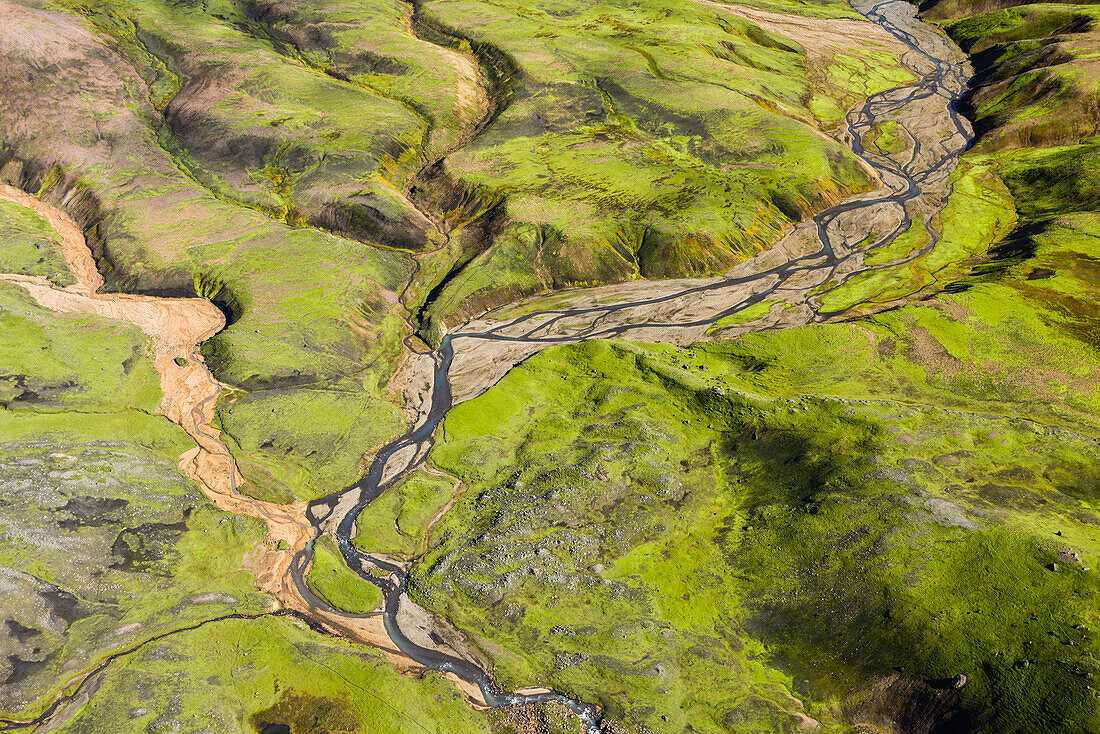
(884, 521)
(836, 521)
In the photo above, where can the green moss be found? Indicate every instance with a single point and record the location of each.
(753, 312)
(978, 214)
(665, 148)
(29, 245)
(339, 586)
(303, 442)
(71, 361)
(748, 531)
(397, 522)
(883, 137)
(261, 672)
(99, 525)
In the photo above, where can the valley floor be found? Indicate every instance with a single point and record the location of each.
(837, 471)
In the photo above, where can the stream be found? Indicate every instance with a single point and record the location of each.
(829, 250)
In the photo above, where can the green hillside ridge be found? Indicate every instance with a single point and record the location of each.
(265, 673)
(1036, 67)
(813, 529)
(271, 155)
(104, 545)
(803, 511)
(305, 308)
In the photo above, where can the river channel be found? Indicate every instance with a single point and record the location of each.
(816, 257)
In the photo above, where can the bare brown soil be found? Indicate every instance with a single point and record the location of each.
(820, 37)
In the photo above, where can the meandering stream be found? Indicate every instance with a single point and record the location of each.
(829, 249)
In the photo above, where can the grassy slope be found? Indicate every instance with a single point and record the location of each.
(803, 513)
(1037, 66)
(27, 245)
(200, 138)
(49, 368)
(397, 522)
(242, 676)
(848, 514)
(272, 109)
(103, 544)
(332, 580)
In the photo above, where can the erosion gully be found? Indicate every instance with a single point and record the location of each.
(915, 189)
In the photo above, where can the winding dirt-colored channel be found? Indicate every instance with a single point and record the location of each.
(175, 327)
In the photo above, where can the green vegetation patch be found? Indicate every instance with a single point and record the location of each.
(646, 142)
(398, 521)
(258, 675)
(339, 586)
(29, 245)
(305, 443)
(978, 214)
(831, 521)
(847, 78)
(103, 543)
(753, 312)
(71, 361)
(309, 358)
(884, 137)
